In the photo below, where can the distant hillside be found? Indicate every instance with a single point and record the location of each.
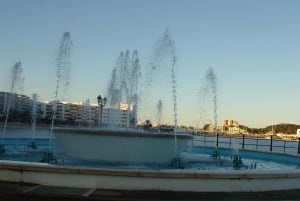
(278, 128)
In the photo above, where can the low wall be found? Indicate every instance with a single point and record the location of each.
(162, 180)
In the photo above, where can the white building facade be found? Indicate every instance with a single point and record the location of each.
(80, 113)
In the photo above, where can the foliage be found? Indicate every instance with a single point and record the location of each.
(278, 128)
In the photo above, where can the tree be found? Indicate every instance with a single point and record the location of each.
(206, 127)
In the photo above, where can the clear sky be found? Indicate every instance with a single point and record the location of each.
(252, 45)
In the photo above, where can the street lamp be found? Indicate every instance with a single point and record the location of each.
(101, 103)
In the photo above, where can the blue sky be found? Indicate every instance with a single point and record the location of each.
(252, 45)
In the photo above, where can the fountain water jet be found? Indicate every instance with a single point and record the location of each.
(212, 85)
(32, 143)
(164, 58)
(159, 113)
(17, 82)
(63, 75)
(210, 90)
(63, 67)
(63, 63)
(123, 89)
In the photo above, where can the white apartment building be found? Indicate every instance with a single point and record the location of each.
(119, 116)
(75, 113)
(89, 114)
(14, 101)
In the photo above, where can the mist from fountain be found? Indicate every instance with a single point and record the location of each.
(235, 146)
(159, 108)
(63, 64)
(62, 72)
(212, 85)
(32, 143)
(162, 72)
(123, 89)
(208, 92)
(17, 83)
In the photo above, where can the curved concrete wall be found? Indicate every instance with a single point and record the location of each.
(163, 180)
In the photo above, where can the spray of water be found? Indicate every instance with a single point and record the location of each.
(209, 90)
(164, 60)
(162, 69)
(159, 112)
(63, 64)
(212, 83)
(32, 143)
(17, 79)
(88, 112)
(174, 94)
(17, 83)
(62, 70)
(123, 88)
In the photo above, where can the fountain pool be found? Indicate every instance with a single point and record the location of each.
(198, 171)
(192, 157)
(197, 159)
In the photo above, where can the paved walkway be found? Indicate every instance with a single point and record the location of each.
(31, 192)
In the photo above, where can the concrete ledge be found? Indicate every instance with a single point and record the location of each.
(169, 173)
(122, 133)
(161, 180)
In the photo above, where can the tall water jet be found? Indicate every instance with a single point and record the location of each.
(32, 143)
(63, 64)
(209, 93)
(159, 113)
(17, 82)
(123, 89)
(62, 67)
(34, 97)
(62, 78)
(212, 86)
(164, 61)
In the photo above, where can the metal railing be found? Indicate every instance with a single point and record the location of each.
(259, 144)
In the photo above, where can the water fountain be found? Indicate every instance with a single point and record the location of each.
(62, 69)
(159, 113)
(162, 67)
(85, 141)
(17, 81)
(63, 78)
(63, 64)
(32, 144)
(210, 90)
(129, 144)
(236, 158)
(123, 89)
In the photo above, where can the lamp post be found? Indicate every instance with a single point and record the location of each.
(101, 103)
